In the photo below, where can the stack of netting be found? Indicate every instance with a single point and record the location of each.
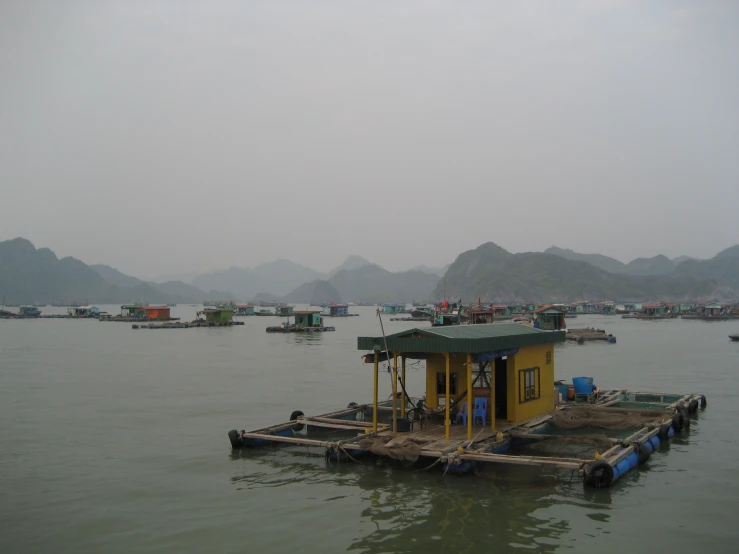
(600, 417)
(573, 446)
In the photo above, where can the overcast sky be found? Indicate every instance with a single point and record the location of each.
(175, 136)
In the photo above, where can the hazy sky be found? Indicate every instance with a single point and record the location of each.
(175, 136)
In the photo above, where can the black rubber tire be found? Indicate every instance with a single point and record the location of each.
(704, 402)
(599, 475)
(678, 421)
(686, 418)
(693, 406)
(664, 432)
(643, 453)
(352, 405)
(235, 439)
(294, 416)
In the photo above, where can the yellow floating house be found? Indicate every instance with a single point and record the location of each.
(514, 366)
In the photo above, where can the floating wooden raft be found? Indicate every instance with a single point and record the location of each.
(458, 454)
(589, 334)
(411, 318)
(294, 329)
(190, 325)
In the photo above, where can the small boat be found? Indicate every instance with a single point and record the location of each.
(734, 337)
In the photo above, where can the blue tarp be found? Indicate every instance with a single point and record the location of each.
(486, 356)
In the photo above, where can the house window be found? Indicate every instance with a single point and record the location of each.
(549, 357)
(441, 383)
(529, 388)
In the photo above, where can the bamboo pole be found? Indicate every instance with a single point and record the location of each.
(357, 424)
(447, 421)
(569, 463)
(402, 380)
(395, 393)
(470, 398)
(374, 401)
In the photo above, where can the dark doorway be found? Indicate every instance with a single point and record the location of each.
(501, 388)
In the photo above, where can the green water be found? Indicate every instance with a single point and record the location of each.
(114, 440)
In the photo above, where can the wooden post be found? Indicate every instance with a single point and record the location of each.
(402, 380)
(470, 398)
(374, 405)
(447, 420)
(395, 393)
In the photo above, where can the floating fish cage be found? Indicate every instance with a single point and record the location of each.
(601, 434)
(602, 440)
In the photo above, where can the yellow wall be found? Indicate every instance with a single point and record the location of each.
(529, 357)
(437, 363)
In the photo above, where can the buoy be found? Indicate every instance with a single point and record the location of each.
(235, 439)
(644, 453)
(664, 431)
(294, 416)
(460, 450)
(678, 421)
(598, 456)
(599, 474)
(498, 436)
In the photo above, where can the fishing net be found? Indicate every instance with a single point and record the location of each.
(402, 448)
(599, 417)
(577, 446)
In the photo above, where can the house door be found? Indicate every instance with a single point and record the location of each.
(501, 388)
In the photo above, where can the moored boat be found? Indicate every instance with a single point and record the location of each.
(734, 337)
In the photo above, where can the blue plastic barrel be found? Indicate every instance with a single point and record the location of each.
(583, 385)
(564, 390)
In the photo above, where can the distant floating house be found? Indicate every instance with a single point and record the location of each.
(445, 319)
(550, 318)
(136, 311)
(609, 308)
(244, 309)
(337, 310)
(84, 312)
(393, 308)
(480, 314)
(654, 310)
(284, 311)
(306, 321)
(711, 309)
(577, 307)
(29, 311)
(217, 316)
(517, 308)
(501, 310)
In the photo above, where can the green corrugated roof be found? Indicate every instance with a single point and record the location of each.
(463, 338)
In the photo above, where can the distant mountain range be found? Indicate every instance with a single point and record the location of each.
(29, 275)
(36, 276)
(657, 265)
(370, 284)
(491, 272)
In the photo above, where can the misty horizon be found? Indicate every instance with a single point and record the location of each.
(179, 138)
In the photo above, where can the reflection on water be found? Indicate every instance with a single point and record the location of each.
(411, 510)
